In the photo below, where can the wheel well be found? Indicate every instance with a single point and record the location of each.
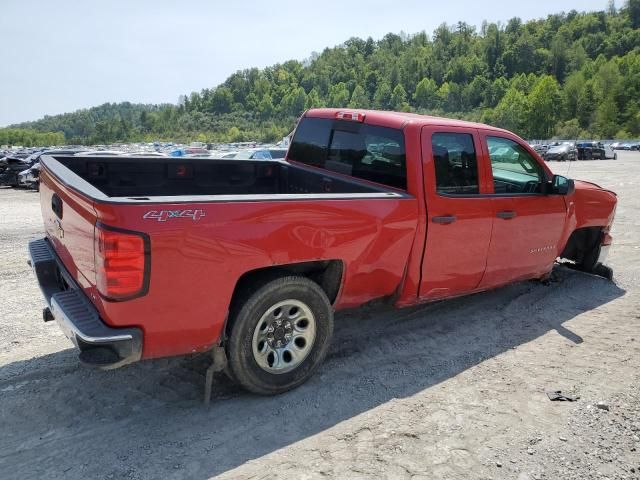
(326, 273)
(580, 242)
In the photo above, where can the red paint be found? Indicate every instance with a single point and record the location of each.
(389, 247)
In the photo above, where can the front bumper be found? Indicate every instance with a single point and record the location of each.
(100, 345)
(605, 245)
(604, 253)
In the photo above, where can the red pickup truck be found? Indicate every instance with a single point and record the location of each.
(154, 257)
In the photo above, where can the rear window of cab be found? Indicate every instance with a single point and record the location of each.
(369, 152)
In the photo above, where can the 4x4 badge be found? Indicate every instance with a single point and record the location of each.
(164, 215)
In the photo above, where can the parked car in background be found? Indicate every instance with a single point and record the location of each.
(10, 167)
(260, 154)
(630, 146)
(30, 178)
(609, 153)
(539, 148)
(144, 154)
(101, 153)
(562, 152)
(594, 151)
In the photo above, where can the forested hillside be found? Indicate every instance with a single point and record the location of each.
(569, 75)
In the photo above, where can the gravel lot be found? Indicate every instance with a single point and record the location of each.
(450, 390)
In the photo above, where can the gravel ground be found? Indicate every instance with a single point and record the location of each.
(449, 390)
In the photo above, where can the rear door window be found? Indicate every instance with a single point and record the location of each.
(456, 164)
(364, 151)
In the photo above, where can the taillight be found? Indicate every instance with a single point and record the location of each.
(352, 116)
(122, 263)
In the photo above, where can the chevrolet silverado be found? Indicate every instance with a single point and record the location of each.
(154, 257)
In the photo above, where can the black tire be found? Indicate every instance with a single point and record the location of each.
(590, 254)
(242, 364)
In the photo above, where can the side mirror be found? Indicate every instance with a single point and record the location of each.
(562, 185)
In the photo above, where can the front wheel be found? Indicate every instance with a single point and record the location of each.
(280, 335)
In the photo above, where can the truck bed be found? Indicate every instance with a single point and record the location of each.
(156, 179)
(207, 223)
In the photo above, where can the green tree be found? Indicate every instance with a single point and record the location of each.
(606, 118)
(426, 95)
(314, 100)
(544, 107)
(222, 100)
(265, 107)
(359, 98)
(294, 102)
(382, 97)
(399, 99)
(632, 9)
(512, 112)
(569, 130)
(338, 95)
(585, 105)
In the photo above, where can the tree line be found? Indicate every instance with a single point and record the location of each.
(570, 75)
(30, 137)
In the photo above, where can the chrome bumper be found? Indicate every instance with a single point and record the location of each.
(100, 345)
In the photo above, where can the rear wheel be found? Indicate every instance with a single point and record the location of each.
(280, 335)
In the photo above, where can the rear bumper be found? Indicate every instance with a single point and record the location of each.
(100, 345)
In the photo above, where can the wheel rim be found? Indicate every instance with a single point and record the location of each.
(284, 336)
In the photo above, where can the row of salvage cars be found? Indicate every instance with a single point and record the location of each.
(23, 170)
(569, 151)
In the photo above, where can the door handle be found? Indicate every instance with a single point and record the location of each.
(507, 214)
(444, 220)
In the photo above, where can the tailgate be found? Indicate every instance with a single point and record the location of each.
(69, 220)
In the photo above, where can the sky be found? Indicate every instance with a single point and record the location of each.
(60, 56)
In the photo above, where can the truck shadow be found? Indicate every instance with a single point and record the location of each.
(147, 421)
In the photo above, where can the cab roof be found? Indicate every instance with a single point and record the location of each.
(397, 119)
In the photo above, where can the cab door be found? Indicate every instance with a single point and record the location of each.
(527, 223)
(459, 216)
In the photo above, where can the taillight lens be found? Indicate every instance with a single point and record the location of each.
(122, 263)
